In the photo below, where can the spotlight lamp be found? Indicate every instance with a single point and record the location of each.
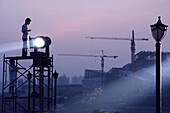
(40, 42)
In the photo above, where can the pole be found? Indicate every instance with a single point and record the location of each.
(55, 88)
(42, 86)
(48, 88)
(102, 69)
(3, 84)
(34, 89)
(29, 95)
(51, 79)
(40, 90)
(132, 52)
(52, 93)
(158, 77)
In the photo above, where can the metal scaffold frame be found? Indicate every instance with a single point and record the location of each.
(39, 97)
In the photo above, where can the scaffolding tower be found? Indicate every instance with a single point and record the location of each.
(36, 93)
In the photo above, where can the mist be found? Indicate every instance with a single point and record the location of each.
(7, 47)
(123, 93)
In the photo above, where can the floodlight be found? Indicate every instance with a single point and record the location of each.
(39, 42)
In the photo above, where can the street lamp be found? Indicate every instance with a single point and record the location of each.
(158, 32)
(29, 76)
(55, 75)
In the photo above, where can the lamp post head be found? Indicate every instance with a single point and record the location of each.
(158, 30)
(29, 75)
(55, 75)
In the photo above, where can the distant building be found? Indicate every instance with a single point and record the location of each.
(91, 81)
(63, 80)
(114, 73)
(77, 80)
(144, 59)
(143, 75)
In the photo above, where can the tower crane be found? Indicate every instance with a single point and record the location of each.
(132, 39)
(100, 56)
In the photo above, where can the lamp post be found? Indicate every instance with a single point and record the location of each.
(55, 75)
(29, 76)
(158, 32)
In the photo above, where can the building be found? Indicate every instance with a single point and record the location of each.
(63, 80)
(77, 79)
(91, 81)
(114, 73)
(145, 59)
(142, 79)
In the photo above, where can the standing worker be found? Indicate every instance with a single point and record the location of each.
(13, 77)
(25, 36)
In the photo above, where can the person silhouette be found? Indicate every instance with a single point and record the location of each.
(25, 36)
(13, 77)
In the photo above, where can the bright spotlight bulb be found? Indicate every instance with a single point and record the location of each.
(39, 42)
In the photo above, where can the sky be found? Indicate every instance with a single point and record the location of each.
(68, 22)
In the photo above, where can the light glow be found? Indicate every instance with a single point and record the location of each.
(39, 42)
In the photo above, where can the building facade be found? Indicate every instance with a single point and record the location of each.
(142, 80)
(77, 79)
(91, 81)
(63, 80)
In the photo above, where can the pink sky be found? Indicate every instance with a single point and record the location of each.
(68, 22)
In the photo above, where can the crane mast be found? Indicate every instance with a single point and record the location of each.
(132, 39)
(133, 52)
(100, 56)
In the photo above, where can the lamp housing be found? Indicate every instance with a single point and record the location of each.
(40, 42)
(29, 75)
(158, 30)
(55, 75)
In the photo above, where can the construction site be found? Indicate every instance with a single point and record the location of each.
(84, 56)
(37, 90)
